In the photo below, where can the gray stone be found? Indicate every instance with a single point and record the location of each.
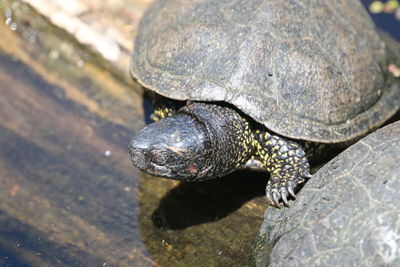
(347, 214)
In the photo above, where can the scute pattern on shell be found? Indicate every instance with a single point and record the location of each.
(312, 70)
(346, 215)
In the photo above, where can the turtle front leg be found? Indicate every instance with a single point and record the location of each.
(161, 112)
(286, 162)
(163, 108)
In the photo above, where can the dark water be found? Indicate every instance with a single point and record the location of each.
(66, 202)
(386, 22)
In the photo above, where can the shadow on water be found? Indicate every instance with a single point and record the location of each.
(65, 202)
(192, 203)
(220, 215)
(195, 203)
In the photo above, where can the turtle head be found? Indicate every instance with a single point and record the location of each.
(174, 147)
(201, 141)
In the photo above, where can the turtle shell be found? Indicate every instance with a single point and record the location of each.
(312, 69)
(347, 214)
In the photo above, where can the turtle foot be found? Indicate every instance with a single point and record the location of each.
(283, 185)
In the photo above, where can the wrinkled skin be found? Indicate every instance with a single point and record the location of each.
(204, 141)
(177, 149)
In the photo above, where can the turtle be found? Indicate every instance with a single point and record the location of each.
(261, 84)
(329, 226)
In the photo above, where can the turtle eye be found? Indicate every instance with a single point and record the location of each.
(157, 156)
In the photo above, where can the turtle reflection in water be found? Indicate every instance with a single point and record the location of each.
(262, 78)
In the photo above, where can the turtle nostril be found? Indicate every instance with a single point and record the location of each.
(137, 158)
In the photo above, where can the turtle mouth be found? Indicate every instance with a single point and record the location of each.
(143, 163)
(158, 170)
(172, 148)
(156, 166)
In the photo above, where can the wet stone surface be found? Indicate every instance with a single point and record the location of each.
(59, 189)
(346, 214)
(69, 194)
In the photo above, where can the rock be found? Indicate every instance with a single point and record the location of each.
(346, 214)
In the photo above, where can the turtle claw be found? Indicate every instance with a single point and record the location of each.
(274, 195)
(284, 195)
(269, 197)
(279, 190)
(307, 175)
(276, 198)
(290, 190)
